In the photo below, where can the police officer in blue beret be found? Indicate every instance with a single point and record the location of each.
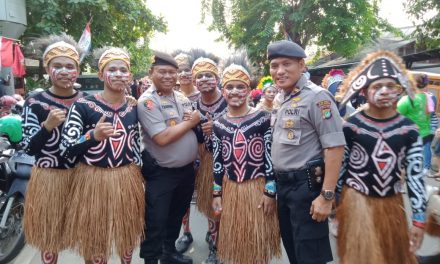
(307, 150)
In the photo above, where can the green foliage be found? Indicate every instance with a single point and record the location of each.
(115, 23)
(427, 12)
(32, 84)
(341, 26)
(140, 59)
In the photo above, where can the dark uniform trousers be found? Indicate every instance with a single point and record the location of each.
(305, 240)
(168, 195)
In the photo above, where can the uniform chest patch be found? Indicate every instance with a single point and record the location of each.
(325, 107)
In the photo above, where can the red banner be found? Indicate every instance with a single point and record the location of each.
(18, 67)
(7, 57)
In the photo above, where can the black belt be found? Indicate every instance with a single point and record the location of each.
(292, 176)
(189, 165)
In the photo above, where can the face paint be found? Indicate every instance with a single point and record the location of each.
(235, 93)
(206, 83)
(185, 76)
(383, 96)
(64, 74)
(113, 77)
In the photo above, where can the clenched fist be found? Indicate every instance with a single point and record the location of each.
(55, 118)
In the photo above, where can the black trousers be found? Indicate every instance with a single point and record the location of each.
(168, 196)
(305, 240)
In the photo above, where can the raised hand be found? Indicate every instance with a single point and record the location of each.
(55, 118)
(207, 126)
(103, 130)
(195, 118)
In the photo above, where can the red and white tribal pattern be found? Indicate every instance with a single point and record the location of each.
(38, 142)
(115, 151)
(242, 147)
(376, 154)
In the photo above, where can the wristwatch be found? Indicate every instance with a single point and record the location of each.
(328, 194)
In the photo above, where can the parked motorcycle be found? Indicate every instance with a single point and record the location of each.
(15, 170)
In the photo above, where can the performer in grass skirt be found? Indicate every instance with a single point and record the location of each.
(211, 105)
(106, 202)
(381, 144)
(43, 117)
(244, 182)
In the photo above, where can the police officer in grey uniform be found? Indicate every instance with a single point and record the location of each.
(167, 121)
(307, 131)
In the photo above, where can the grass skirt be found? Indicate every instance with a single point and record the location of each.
(45, 208)
(372, 230)
(204, 182)
(247, 235)
(432, 227)
(106, 209)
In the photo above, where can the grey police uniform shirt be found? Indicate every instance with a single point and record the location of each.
(157, 113)
(306, 122)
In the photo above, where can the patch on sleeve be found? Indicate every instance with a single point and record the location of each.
(172, 122)
(325, 107)
(149, 104)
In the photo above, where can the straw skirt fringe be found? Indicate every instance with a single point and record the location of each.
(246, 235)
(45, 208)
(106, 210)
(204, 182)
(372, 230)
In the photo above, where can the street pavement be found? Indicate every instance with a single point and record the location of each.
(199, 249)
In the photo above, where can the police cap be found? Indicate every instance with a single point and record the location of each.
(162, 58)
(284, 48)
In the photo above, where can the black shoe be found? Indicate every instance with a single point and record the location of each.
(183, 243)
(175, 258)
(208, 237)
(435, 259)
(212, 257)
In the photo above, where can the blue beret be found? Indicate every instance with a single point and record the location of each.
(162, 58)
(285, 48)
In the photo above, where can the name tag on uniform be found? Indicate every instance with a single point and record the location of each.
(292, 112)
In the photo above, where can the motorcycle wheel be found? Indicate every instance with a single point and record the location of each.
(12, 237)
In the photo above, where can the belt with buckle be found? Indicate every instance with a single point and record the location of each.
(292, 176)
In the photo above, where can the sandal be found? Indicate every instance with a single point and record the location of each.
(435, 176)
